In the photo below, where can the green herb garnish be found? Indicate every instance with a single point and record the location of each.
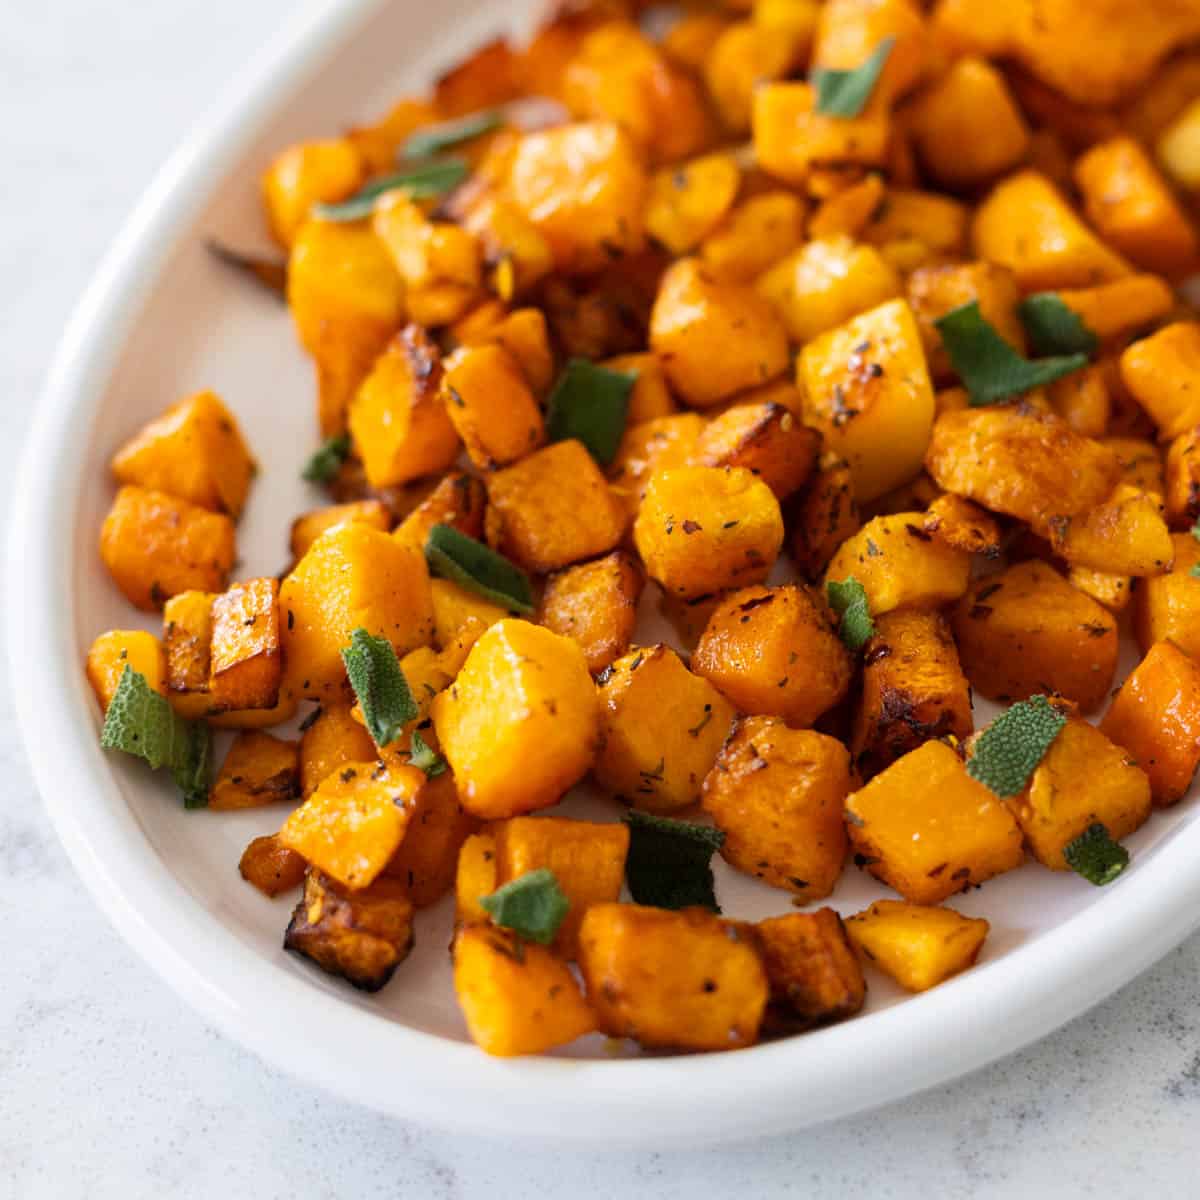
(990, 369)
(327, 460)
(849, 600)
(453, 555)
(380, 686)
(421, 181)
(590, 403)
(435, 138)
(1053, 327)
(141, 722)
(845, 93)
(424, 757)
(669, 862)
(269, 273)
(532, 906)
(1095, 856)
(1011, 747)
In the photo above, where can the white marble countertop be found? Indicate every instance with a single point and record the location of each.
(111, 1087)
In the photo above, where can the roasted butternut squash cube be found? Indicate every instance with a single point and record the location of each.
(350, 827)
(1168, 606)
(777, 794)
(849, 31)
(246, 665)
(595, 604)
(1181, 487)
(867, 391)
(650, 397)
(156, 546)
(1141, 463)
(849, 210)
(455, 608)
(521, 722)
(745, 56)
(195, 451)
(1179, 148)
(271, 867)
(915, 229)
(427, 860)
(352, 577)
(553, 508)
(484, 79)
(308, 173)
(459, 500)
(1083, 400)
(1163, 373)
(672, 980)
(754, 236)
(963, 525)
(687, 618)
(824, 517)
(309, 526)
(1126, 535)
(686, 203)
(714, 338)
(775, 651)
(661, 727)
(517, 997)
(518, 255)
(764, 437)
(361, 936)
(901, 565)
(1027, 630)
(117, 649)
(1119, 309)
(475, 877)
(330, 739)
(814, 975)
(918, 946)
(928, 829)
(187, 642)
(1113, 591)
(652, 446)
(258, 769)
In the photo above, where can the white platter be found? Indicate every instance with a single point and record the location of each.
(162, 320)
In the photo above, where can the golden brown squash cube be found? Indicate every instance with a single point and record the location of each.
(363, 936)
(517, 997)
(824, 517)
(308, 173)
(595, 604)
(1117, 310)
(867, 390)
(916, 229)
(1182, 483)
(687, 202)
(777, 795)
(661, 727)
(963, 525)
(758, 233)
(1113, 591)
(156, 546)
(744, 56)
(814, 974)
(187, 642)
(704, 529)
(330, 739)
(350, 827)
(524, 335)
(1177, 148)
(271, 867)
(913, 690)
(1083, 399)
(309, 526)
(258, 769)
(672, 980)
(587, 858)
(650, 397)
(117, 649)
(245, 665)
(521, 722)
(775, 651)
(652, 446)
(928, 829)
(1028, 630)
(1167, 607)
(455, 610)
(848, 31)
(352, 577)
(194, 451)
(918, 946)
(764, 437)
(427, 859)
(474, 878)
(1163, 374)
(1126, 535)
(554, 508)
(713, 338)
(459, 500)
(1141, 462)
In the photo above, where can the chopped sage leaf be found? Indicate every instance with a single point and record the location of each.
(845, 93)
(1053, 327)
(327, 460)
(453, 555)
(433, 139)
(1095, 856)
(590, 403)
(421, 181)
(269, 273)
(849, 600)
(379, 685)
(669, 862)
(425, 757)
(532, 906)
(1010, 748)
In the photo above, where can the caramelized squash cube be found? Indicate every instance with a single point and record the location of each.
(187, 642)
(1167, 607)
(686, 203)
(849, 31)
(329, 740)
(1126, 535)
(258, 769)
(758, 233)
(455, 609)
(271, 867)
(825, 516)
(427, 860)
(1182, 482)
(745, 56)
(117, 649)
(474, 878)
(963, 525)
(652, 446)
(309, 526)
(767, 439)
(595, 603)
(650, 397)
(246, 666)
(1163, 374)
(308, 173)
(1119, 309)
(459, 500)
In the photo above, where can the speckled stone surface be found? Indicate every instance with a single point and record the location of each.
(111, 1087)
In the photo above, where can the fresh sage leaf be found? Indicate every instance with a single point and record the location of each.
(845, 93)
(532, 906)
(379, 685)
(453, 555)
(433, 139)
(1055, 328)
(590, 403)
(327, 460)
(669, 864)
(421, 181)
(1095, 856)
(849, 600)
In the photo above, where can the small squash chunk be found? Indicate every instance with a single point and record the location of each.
(927, 829)
(1027, 225)
(1179, 148)
(195, 451)
(521, 722)
(246, 666)
(913, 690)
(901, 565)
(187, 641)
(475, 877)
(517, 997)
(672, 980)
(758, 233)
(767, 439)
(849, 210)
(705, 529)
(459, 500)
(309, 526)
(650, 397)
(1083, 778)
(918, 946)
(714, 339)
(1126, 535)
(1155, 717)
(350, 827)
(745, 56)
(661, 727)
(963, 525)
(1182, 484)
(331, 740)
(1141, 463)
(915, 228)
(825, 516)
(553, 508)
(849, 31)
(516, 253)
(686, 203)
(1168, 606)
(1117, 310)
(587, 858)
(1130, 204)
(306, 174)
(777, 794)
(1113, 591)
(1163, 373)
(967, 127)
(455, 609)
(1082, 399)
(271, 867)
(486, 78)
(595, 603)
(156, 546)
(652, 446)
(117, 649)
(525, 336)
(352, 576)
(814, 974)
(775, 651)
(1028, 630)
(258, 769)
(583, 187)
(397, 419)
(427, 859)
(867, 390)
(1017, 460)
(363, 935)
